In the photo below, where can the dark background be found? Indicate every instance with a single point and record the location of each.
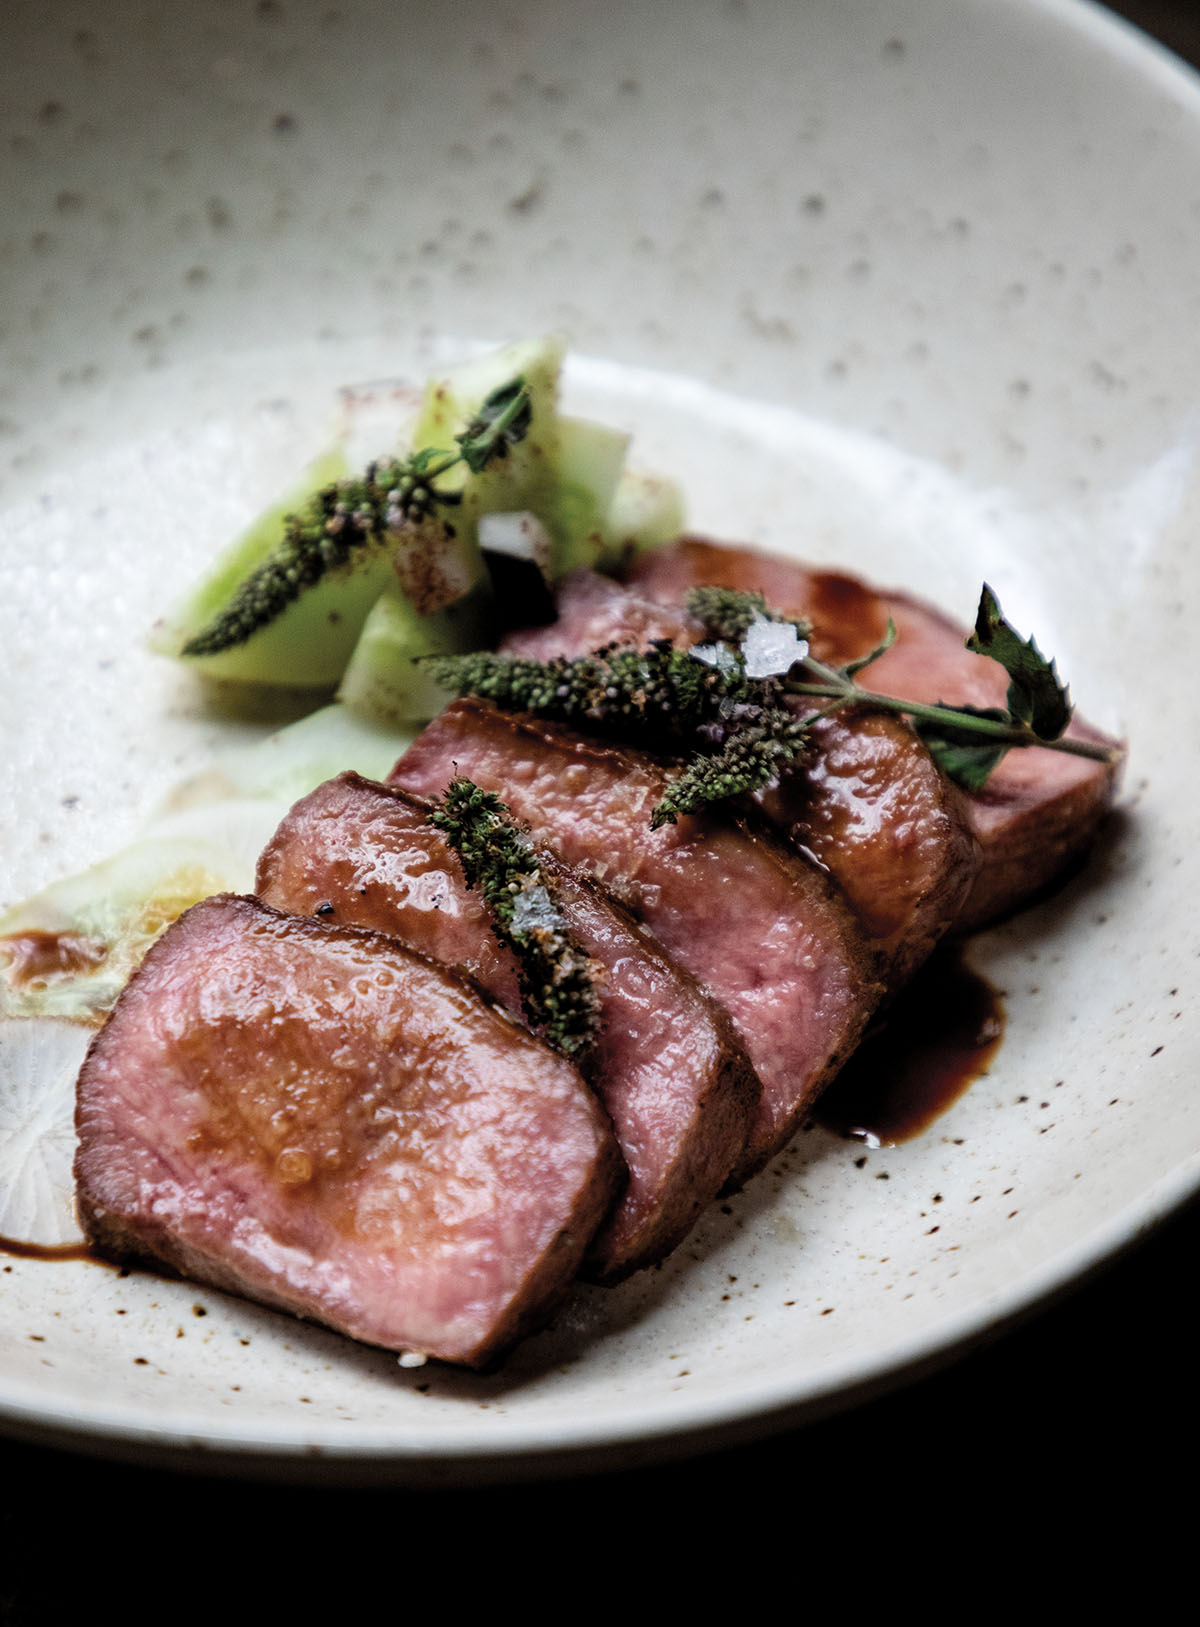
(1077, 1421)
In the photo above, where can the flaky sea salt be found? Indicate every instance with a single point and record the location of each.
(715, 655)
(771, 648)
(534, 908)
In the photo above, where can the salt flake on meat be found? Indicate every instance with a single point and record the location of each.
(534, 908)
(772, 648)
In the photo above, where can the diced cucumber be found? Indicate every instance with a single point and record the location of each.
(309, 644)
(245, 553)
(525, 477)
(590, 459)
(382, 682)
(646, 512)
(568, 472)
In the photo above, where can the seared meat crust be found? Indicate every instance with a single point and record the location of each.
(869, 803)
(321, 1119)
(763, 931)
(1039, 812)
(866, 800)
(677, 1086)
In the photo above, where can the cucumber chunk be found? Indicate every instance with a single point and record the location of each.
(382, 681)
(526, 477)
(308, 645)
(647, 511)
(422, 566)
(590, 459)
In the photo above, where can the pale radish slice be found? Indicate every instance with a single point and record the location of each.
(39, 1061)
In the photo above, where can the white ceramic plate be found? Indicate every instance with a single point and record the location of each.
(907, 286)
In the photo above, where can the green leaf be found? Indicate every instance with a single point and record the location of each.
(503, 420)
(1035, 695)
(968, 766)
(963, 756)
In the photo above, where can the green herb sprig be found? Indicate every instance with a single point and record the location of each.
(968, 742)
(347, 517)
(558, 979)
(741, 731)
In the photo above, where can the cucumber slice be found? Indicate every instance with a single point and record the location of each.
(590, 460)
(309, 644)
(526, 477)
(382, 682)
(646, 512)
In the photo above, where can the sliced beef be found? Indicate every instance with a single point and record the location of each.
(848, 618)
(866, 801)
(762, 930)
(357, 853)
(594, 611)
(870, 804)
(1040, 810)
(321, 1119)
(676, 1084)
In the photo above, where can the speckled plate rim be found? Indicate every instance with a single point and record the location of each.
(624, 1438)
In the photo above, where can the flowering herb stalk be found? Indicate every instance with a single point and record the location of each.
(346, 518)
(558, 978)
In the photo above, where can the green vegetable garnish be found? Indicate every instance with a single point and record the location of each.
(558, 988)
(347, 517)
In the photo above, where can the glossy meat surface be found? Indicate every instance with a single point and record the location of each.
(761, 930)
(677, 1087)
(848, 617)
(1040, 810)
(871, 806)
(866, 800)
(594, 611)
(321, 1119)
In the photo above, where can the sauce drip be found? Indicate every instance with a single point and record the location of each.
(936, 1040)
(48, 1251)
(35, 957)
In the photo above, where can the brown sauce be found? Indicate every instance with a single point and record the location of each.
(849, 617)
(48, 1251)
(937, 1038)
(37, 957)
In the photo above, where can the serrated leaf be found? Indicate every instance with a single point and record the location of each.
(968, 766)
(961, 755)
(1035, 695)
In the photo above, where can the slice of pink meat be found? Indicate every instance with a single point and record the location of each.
(321, 1119)
(761, 930)
(677, 1086)
(869, 803)
(1040, 810)
(866, 800)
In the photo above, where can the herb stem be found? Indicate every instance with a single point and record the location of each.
(844, 692)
